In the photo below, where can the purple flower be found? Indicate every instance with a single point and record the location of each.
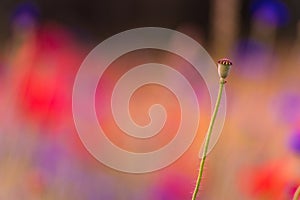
(271, 12)
(25, 15)
(287, 105)
(294, 141)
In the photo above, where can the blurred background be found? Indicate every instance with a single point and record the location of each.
(42, 44)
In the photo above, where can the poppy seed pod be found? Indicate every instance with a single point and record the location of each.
(224, 65)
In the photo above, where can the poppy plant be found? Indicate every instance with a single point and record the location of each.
(224, 66)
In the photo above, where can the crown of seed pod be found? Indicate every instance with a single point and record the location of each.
(224, 65)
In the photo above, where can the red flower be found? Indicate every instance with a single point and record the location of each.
(46, 66)
(269, 181)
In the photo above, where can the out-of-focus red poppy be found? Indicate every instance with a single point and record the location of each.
(45, 67)
(270, 181)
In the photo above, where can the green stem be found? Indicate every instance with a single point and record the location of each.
(207, 139)
(297, 194)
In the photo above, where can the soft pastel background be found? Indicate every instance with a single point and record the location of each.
(42, 44)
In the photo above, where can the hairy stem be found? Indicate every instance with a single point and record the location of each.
(297, 194)
(207, 139)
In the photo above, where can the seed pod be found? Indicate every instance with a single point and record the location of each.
(224, 65)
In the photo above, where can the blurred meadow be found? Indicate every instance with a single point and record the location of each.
(42, 45)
